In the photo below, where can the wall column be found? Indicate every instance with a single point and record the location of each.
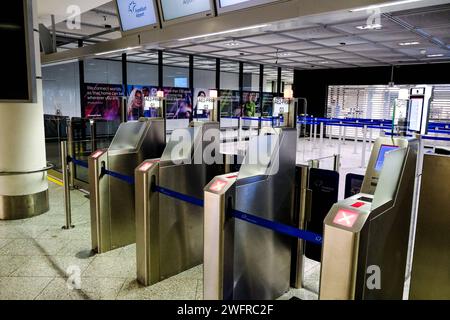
(22, 149)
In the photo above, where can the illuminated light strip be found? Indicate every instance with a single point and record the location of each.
(388, 4)
(224, 32)
(118, 50)
(55, 180)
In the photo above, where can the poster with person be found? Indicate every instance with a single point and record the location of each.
(137, 106)
(178, 103)
(102, 101)
(202, 104)
(250, 104)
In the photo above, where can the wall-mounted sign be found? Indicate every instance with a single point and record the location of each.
(280, 105)
(102, 100)
(136, 14)
(176, 9)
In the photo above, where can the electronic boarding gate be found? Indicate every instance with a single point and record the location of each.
(243, 260)
(366, 236)
(169, 203)
(112, 196)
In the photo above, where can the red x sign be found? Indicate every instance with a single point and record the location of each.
(345, 218)
(218, 185)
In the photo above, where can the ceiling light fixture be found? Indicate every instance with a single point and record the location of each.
(224, 32)
(435, 55)
(232, 44)
(383, 5)
(412, 43)
(284, 54)
(375, 26)
(118, 50)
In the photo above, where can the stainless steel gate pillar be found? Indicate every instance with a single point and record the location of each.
(218, 199)
(147, 222)
(101, 241)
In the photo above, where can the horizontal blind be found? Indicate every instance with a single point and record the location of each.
(376, 102)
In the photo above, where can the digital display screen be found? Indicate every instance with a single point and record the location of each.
(415, 114)
(243, 3)
(381, 155)
(15, 85)
(136, 14)
(181, 82)
(174, 9)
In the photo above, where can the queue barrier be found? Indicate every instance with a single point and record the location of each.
(272, 225)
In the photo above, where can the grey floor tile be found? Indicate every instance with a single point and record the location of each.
(312, 279)
(195, 273)
(91, 289)
(22, 288)
(32, 247)
(199, 293)
(115, 267)
(77, 248)
(9, 264)
(301, 294)
(169, 289)
(50, 266)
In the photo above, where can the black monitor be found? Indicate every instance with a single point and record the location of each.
(16, 32)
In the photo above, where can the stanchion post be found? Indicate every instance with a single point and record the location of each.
(363, 151)
(330, 126)
(315, 134)
(71, 152)
(344, 135)
(65, 174)
(340, 137)
(321, 139)
(355, 144)
(337, 162)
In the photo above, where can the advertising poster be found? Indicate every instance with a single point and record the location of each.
(267, 104)
(178, 103)
(250, 104)
(102, 101)
(229, 103)
(136, 107)
(202, 103)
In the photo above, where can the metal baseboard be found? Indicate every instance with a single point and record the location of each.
(22, 207)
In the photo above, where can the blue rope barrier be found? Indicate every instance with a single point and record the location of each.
(179, 196)
(279, 227)
(272, 225)
(127, 179)
(80, 163)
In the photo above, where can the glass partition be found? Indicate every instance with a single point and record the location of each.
(175, 70)
(229, 75)
(61, 89)
(204, 73)
(270, 79)
(250, 77)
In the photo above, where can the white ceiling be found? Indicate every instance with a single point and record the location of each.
(323, 41)
(59, 8)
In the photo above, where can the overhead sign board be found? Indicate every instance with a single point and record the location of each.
(136, 14)
(180, 10)
(232, 5)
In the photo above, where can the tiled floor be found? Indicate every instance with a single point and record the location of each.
(36, 254)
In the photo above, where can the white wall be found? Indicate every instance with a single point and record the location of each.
(61, 89)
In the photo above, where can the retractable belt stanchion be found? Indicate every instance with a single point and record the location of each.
(66, 178)
(355, 144)
(363, 149)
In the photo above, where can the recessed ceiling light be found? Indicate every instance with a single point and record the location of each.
(435, 55)
(375, 26)
(323, 62)
(412, 43)
(284, 54)
(224, 32)
(232, 44)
